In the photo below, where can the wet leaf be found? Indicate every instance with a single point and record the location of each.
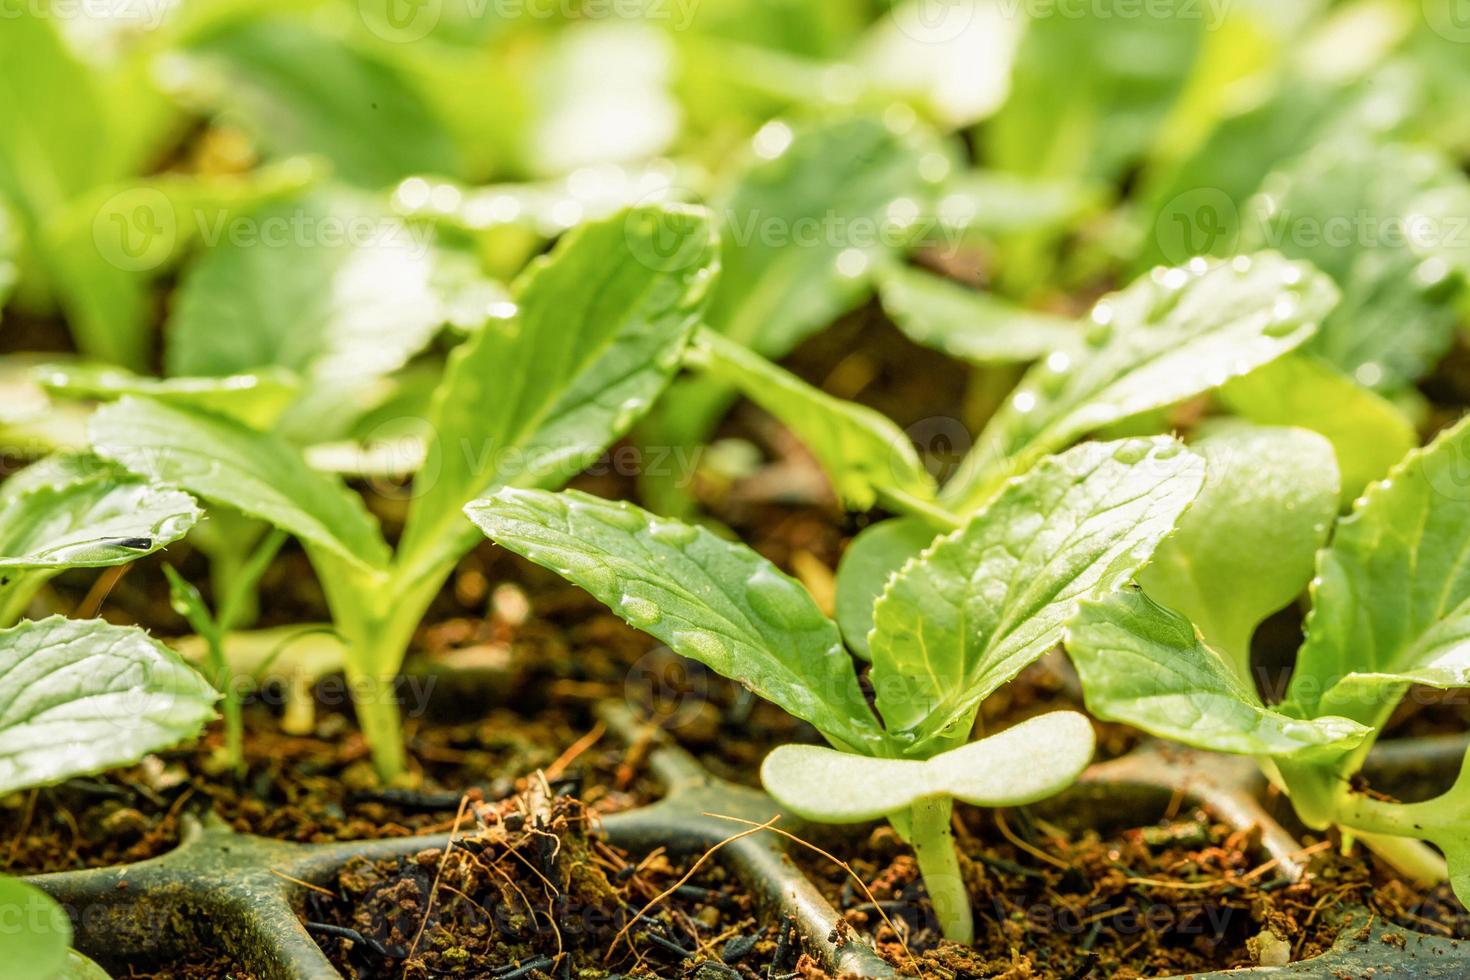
(708, 599)
(1171, 335)
(83, 696)
(980, 604)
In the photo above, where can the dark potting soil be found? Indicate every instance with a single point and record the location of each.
(311, 789)
(531, 891)
(200, 967)
(1184, 895)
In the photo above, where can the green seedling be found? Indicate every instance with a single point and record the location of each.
(1390, 608)
(528, 400)
(950, 627)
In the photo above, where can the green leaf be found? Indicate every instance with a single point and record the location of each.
(51, 117)
(968, 324)
(545, 207)
(867, 457)
(1391, 602)
(1173, 334)
(225, 462)
(1368, 433)
(784, 227)
(708, 599)
(1089, 92)
(979, 605)
(255, 399)
(1195, 205)
(106, 247)
(1030, 761)
(79, 967)
(110, 519)
(299, 90)
(1345, 208)
(329, 286)
(78, 512)
(36, 944)
(1439, 212)
(987, 204)
(868, 563)
(1248, 545)
(529, 401)
(809, 194)
(1144, 665)
(79, 697)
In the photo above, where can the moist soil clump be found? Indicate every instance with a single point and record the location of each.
(532, 891)
(1185, 895)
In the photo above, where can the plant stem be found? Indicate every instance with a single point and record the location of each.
(376, 702)
(905, 503)
(1411, 858)
(239, 602)
(16, 597)
(940, 865)
(1393, 831)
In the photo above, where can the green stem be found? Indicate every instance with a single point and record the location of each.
(224, 682)
(901, 502)
(940, 865)
(1414, 859)
(1315, 793)
(238, 589)
(1394, 831)
(376, 701)
(15, 598)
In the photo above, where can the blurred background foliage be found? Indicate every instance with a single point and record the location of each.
(1025, 154)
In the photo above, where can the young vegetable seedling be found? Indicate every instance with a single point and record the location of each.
(599, 329)
(1390, 609)
(951, 626)
(1172, 335)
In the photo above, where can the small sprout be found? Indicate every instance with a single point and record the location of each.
(1025, 763)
